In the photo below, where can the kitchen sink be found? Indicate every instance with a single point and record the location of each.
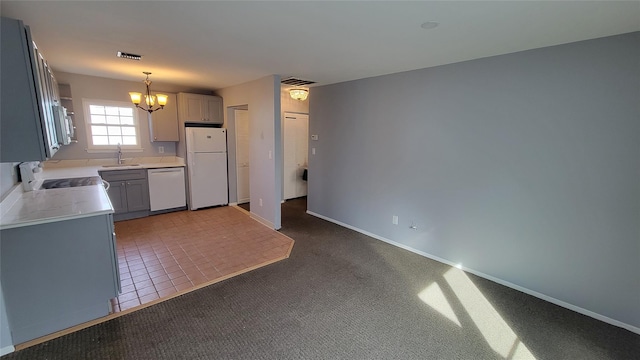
(71, 182)
(119, 165)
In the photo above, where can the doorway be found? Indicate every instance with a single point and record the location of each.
(295, 155)
(242, 155)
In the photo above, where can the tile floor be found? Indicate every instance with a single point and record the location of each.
(165, 255)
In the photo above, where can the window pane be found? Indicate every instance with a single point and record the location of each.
(129, 140)
(113, 124)
(111, 110)
(98, 119)
(114, 130)
(98, 130)
(128, 130)
(115, 140)
(96, 109)
(113, 120)
(100, 140)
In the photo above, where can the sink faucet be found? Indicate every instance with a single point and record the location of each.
(119, 155)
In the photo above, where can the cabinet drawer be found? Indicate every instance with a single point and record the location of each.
(119, 175)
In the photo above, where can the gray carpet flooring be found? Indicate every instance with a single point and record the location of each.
(343, 295)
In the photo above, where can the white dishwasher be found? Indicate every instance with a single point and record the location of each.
(166, 188)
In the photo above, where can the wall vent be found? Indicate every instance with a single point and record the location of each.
(130, 56)
(296, 82)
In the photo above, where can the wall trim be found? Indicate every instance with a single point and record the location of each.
(488, 277)
(6, 350)
(262, 220)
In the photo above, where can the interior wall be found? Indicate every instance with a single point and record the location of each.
(262, 99)
(523, 167)
(91, 87)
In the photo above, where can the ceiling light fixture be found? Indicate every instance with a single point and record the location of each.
(299, 94)
(149, 99)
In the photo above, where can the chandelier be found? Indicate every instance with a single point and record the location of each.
(136, 97)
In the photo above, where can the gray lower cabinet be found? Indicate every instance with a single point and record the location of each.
(58, 274)
(129, 193)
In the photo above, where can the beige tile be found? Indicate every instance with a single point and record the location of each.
(163, 254)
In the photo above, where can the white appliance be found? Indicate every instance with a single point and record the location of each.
(206, 165)
(166, 188)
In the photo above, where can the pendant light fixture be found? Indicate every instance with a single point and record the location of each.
(299, 94)
(136, 97)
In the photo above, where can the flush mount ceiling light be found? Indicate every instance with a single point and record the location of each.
(429, 25)
(299, 94)
(149, 99)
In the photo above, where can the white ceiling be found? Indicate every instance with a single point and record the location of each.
(211, 44)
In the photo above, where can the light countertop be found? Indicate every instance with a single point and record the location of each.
(22, 208)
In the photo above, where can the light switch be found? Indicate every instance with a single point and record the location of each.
(313, 151)
(314, 137)
(270, 155)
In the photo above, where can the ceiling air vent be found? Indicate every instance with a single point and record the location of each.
(296, 82)
(130, 56)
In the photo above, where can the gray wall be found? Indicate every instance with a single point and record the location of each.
(524, 167)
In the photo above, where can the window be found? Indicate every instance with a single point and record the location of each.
(111, 123)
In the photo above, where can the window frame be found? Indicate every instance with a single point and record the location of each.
(91, 147)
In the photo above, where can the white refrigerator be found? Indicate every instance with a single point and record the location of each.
(207, 166)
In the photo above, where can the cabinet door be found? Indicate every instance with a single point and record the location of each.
(118, 196)
(137, 195)
(213, 107)
(21, 125)
(191, 107)
(163, 124)
(46, 84)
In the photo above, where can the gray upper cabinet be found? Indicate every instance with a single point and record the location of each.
(21, 126)
(200, 108)
(163, 124)
(29, 93)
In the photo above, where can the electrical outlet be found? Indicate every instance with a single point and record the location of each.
(260, 202)
(161, 149)
(394, 220)
(313, 151)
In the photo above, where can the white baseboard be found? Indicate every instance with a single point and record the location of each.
(233, 204)
(263, 221)
(489, 277)
(7, 350)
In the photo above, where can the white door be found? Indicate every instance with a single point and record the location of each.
(295, 153)
(242, 155)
